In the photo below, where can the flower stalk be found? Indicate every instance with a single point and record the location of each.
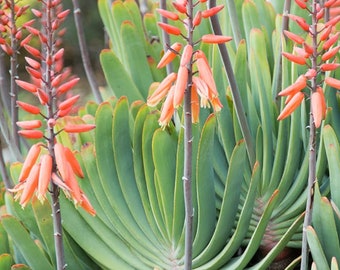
(49, 166)
(317, 57)
(193, 81)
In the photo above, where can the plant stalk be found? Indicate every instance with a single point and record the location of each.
(234, 89)
(51, 108)
(187, 175)
(57, 228)
(14, 74)
(84, 52)
(312, 148)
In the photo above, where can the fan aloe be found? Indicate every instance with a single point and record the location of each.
(243, 206)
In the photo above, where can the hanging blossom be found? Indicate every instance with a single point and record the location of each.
(172, 88)
(317, 53)
(49, 163)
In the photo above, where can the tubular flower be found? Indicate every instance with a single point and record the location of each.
(162, 90)
(316, 58)
(170, 55)
(317, 100)
(168, 109)
(300, 84)
(290, 107)
(50, 163)
(201, 88)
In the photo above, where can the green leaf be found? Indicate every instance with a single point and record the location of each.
(136, 58)
(324, 226)
(124, 165)
(117, 77)
(231, 198)
(22, 239)
(256, 238)
(6, 261)
(164, 153)
(316, 249)
(42, 214)
(333, 157)
(205, 187)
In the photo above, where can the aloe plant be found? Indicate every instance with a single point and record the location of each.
(133, 168)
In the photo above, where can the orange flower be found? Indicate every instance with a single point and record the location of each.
(301, 4)
(44, 176)
(60, 183)
(329, 66)
(299, 85)
(73, 162)
(43, 97)
(180, 86)
(181, 7)
(325, 33)
(215, 39)
(67, 86)
(71, 128)
(323, 101)
(27, 86)
(195, 105)
(30, 185)
(30, 160)
(331, 41)
(329, 54)
(294, 37)
(294, 102)
(197, 19)
(205, 72)
(61, 160)
(170, 55)
(168, 14)
(28, 107)
(30, 124)
(162, 90)
(167, 109)
(333, 82)
(170, 29)
(86, 205)
(317, 108)
(72, 183)
(31, 134)
(294, 58)
(216, 104)
(212, 11)
(186, 55)
(68, 102)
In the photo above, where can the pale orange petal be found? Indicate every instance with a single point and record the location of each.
(180, 86)
(44, 176)
(30, 160)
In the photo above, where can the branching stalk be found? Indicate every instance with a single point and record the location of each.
(84, 52)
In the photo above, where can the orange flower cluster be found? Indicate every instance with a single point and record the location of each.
(49, 163)
(35, 176)
(317, 55)
(172, 88)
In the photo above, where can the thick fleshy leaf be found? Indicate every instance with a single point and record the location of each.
(117, 77)
(34, 256)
